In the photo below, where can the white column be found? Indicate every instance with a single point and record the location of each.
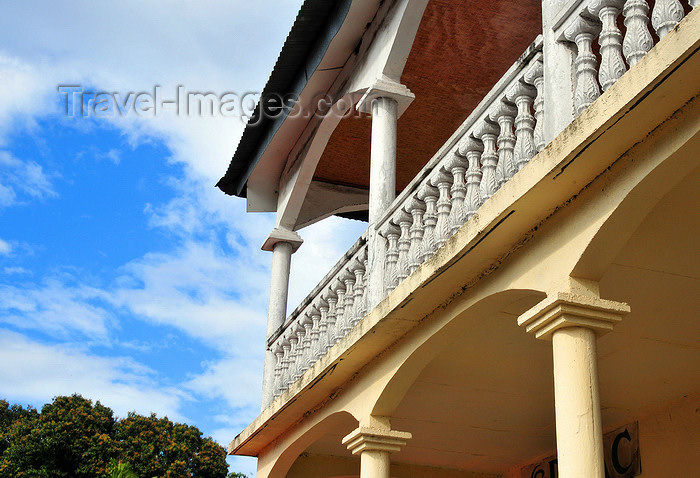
(374, 445)
(283, 243)
(572, 322)
(385, 100)
(382, 174)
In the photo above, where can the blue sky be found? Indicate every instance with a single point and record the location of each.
(124, 274)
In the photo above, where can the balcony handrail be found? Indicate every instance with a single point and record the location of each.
(325, 282)
(478, 113)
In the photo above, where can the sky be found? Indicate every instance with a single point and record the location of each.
(125, 275)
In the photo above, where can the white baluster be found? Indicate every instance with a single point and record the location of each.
(457, 165)
(332, 299)
(404, 220)
(284, 375)
(504, 114)
(638, 40)
(339, 288)
(323, 328)
(349, 279)
(487, 132)
(612, 66)
(359, 272)
(535, 76)
(666, 15)
(391, 233)
(296, 341)
(472, 149)
(279, 355)
(417, 210)
(306, 354)
(523, 95)
(694, 3)
(443, 182)
(429, 195)
(315, 336)
(583, 31)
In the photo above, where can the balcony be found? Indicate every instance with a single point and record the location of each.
(589, 90)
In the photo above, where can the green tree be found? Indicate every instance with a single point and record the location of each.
(72, 438)
(69, 438)
(158, 447)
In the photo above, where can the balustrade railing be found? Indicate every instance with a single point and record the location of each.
(327, 314)
(502, 134)
(595, 23)
(496, 141)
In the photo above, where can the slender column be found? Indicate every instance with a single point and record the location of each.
(572, 322)
(283, 243)
(385, 100)
(374, 445)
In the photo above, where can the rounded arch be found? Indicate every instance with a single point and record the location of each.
(651, 174)
(513, 301)
(334, 422)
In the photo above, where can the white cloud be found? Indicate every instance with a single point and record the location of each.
(198, 289)
(20, 180)
(33, 372)
(55, 308)
(5, 248)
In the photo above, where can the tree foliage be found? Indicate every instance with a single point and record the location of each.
(72, 438)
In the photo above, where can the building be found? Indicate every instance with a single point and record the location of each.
(524, 301)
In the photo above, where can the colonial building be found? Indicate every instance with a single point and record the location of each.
(525, 299)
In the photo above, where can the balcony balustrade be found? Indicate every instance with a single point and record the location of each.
(496, 141)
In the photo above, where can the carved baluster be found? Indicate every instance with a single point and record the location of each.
(666, 15)
(349, 279)
(694, 3)
(315, 336)
(322, 344)
(487, 132)
(391, 233)
(339, 288)
(523, 95)
(306, 354)
(612, 66)
(294, 363)
(359, 272)
(417, 209)
(429, 195)
(504, 114)
(284, 375)
(638, 40)
(404, 220)
(457, 165)
(582, 32)
(332, 299)
(443, 182)
(535, 76)
(471, 149)
(279, 355)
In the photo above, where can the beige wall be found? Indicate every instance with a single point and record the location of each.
(669, 441)
(324, 466)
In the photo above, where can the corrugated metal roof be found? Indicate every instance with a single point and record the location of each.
(316, 24)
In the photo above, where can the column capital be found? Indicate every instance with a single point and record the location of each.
(386, 88)
(282, 235)
(565, 309)
(375, 439)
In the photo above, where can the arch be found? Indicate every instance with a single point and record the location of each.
(514, 301)
(654, 170)
(282, 463)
